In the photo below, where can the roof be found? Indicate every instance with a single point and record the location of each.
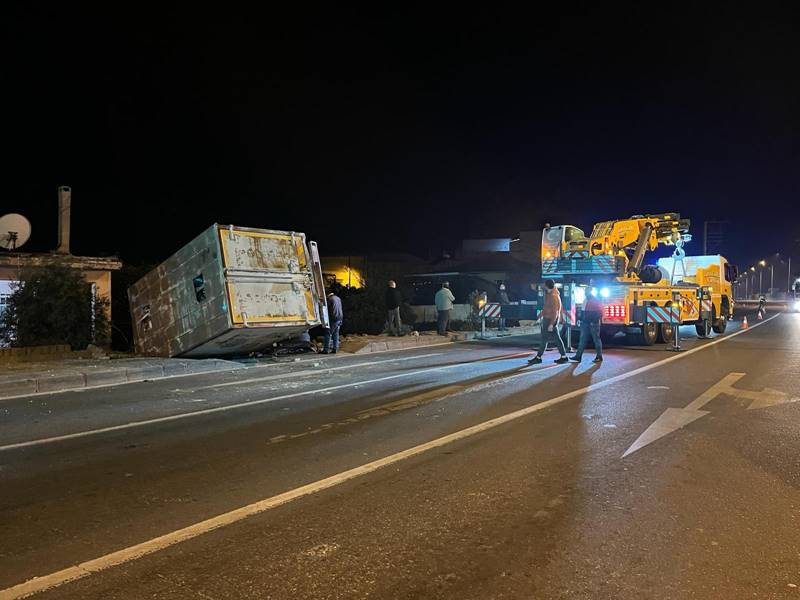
(494, 262)
(83, 263)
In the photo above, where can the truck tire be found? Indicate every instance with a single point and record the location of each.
(647, 336)
(720, 325)
(666, 332)
(703, 328)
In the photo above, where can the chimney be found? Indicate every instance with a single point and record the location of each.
(64, 202)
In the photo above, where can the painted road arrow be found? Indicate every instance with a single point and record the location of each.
(673, 419)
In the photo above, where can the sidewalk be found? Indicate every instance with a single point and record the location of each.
(22, 379)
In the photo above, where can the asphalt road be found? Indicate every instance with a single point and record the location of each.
(455, 471)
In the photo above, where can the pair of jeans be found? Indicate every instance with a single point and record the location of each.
(332, 337)
(395, 324)
(442, 321)
(502, 326)
(548, 336)
(590, 327)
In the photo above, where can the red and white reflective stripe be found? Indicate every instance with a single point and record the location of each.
(489, 311)
(707, 305)
(663, 314)
(615, 312)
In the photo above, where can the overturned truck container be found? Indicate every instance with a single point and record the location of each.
(230, 291)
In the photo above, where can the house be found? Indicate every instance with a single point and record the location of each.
(95, 269)
(482, 264)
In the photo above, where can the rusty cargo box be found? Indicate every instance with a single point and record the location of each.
(230, 291)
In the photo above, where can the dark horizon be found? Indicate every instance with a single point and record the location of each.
(389, 132)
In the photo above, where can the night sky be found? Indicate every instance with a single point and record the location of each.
(398, 131)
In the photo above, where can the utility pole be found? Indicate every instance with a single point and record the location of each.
(771, 277)
(789, 277)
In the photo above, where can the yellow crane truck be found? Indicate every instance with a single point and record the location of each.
(645, 302)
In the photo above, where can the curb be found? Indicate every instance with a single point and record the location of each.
(33, 384)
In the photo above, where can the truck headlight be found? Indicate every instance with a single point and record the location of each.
(604, 292)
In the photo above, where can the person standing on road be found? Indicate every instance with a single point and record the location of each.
(551, 313)
(762, 307)
(336, 316)
(393, 300)
(503, 297)
(444, 305)
(590, 325)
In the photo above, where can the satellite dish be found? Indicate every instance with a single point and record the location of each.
(14, 231)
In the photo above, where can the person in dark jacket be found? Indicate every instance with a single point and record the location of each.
(393, 300)
(590, 326)
(335, 317)
(502, 296)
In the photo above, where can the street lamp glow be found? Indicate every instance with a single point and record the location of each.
(752, 269)
(763, 263)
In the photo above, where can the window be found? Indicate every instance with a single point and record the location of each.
(199, 287)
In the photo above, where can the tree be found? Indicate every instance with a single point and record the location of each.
(54, 305)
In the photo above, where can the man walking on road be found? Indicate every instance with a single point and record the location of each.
(336, 316)
(590, 325)
(444, 304)
(393, 300)
(551, 313)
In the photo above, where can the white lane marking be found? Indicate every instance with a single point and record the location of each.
(317, 371)
(673, 419)
(207, 411)
(46, 582)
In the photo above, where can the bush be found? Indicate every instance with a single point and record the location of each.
(54, 305)
(365, 308)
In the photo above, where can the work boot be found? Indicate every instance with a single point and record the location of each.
(598, 359)
(536, 360)
(576, 358)
(562, 360)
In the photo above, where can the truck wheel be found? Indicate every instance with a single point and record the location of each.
(647, 336)
(720, 324)
(703, 328)
(666, 333)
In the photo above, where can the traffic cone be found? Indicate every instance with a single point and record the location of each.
(744, 323)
